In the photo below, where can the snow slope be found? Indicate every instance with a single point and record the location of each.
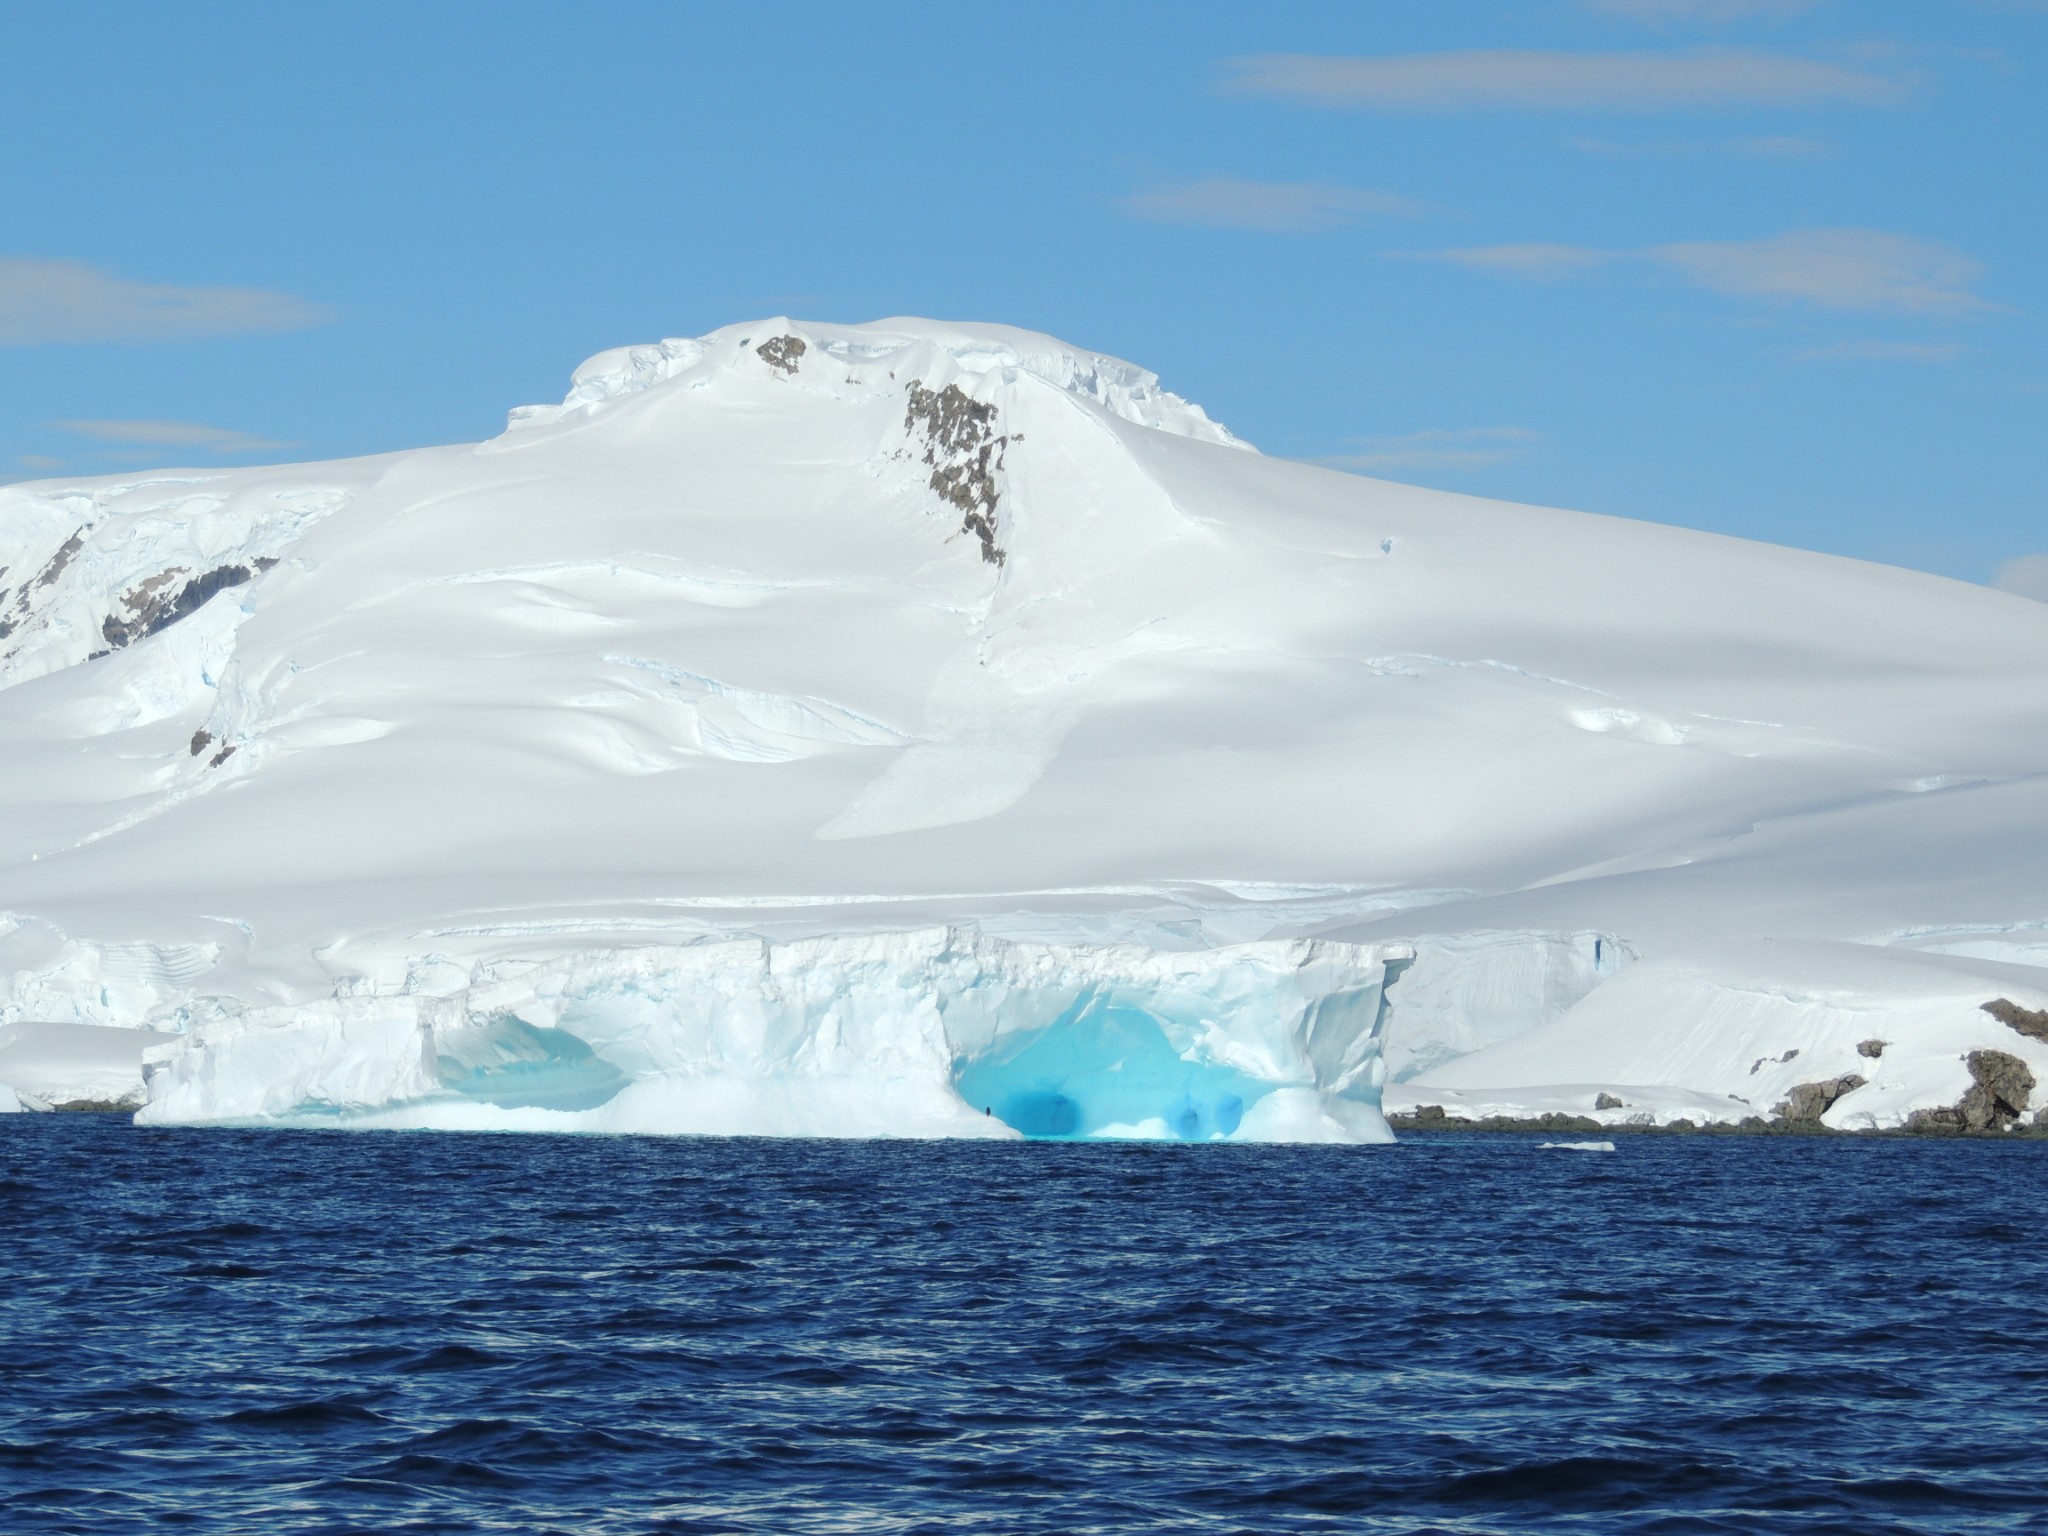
(801, 632)
(1723, 1032)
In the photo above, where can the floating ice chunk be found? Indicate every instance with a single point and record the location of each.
(1575, 1146)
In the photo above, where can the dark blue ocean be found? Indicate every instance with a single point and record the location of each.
(217, 1331)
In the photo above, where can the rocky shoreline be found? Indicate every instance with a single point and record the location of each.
(1994, 1107)
(1755, 1125)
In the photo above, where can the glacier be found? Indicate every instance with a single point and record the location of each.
(888, 1034)
(936, 728)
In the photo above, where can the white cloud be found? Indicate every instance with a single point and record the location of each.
(39, 461)
(54, 301)
(172, 434)
(1710, 11)
(1833, 268)
(1284, 207)
(2026, 575)
(1849, 269)
(1528, 78)
(1882, 352)
(1462, 448)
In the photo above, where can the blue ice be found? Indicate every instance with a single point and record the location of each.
(517, 1065)
(1104, 1065)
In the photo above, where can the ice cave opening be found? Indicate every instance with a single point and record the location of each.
(516, 1065)
(1105, 1069)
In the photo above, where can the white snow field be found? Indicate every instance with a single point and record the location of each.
(918, 729)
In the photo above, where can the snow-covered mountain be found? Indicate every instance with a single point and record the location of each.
(941, 729)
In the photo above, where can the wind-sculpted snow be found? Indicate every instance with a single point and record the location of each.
(101, 567)
(799, 631)
(933, 1033)
(862, 354)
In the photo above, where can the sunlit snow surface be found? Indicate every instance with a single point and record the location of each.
(862, 635)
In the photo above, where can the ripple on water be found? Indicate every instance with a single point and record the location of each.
(223, 1331)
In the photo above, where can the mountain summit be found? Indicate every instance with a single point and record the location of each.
(799, 634)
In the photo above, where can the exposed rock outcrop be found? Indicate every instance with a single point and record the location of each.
(782, 352)
(2000, 1087)
(964, 452)
(153, 604)
(1871, 1048)
(2031, 1022)
(1809, 1101)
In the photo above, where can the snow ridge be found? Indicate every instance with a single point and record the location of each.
(856, 355)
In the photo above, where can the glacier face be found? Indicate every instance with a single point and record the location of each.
(940, 1032)
(1467, 991)
(801, 634)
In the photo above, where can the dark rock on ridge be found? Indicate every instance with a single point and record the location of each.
(782, 352)
(152, 606)
(964, 452)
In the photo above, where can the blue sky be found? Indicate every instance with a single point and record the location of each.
(1769, 267)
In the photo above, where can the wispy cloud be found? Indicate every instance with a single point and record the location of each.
(1281, 207)
(1835, 269)
(2027, 575)
(1783, 146)
(1882, 352)
(1775, 146)
(1847, 269)
(39, 461)
(1461, 448)
(1711, 12)
(173, 434)
(1558, 81)
(57, 301)
(1532, 260)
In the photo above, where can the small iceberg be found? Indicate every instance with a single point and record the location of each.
(1575, 1146)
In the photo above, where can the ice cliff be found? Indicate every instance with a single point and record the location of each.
(963, 646)
(943, 1032)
